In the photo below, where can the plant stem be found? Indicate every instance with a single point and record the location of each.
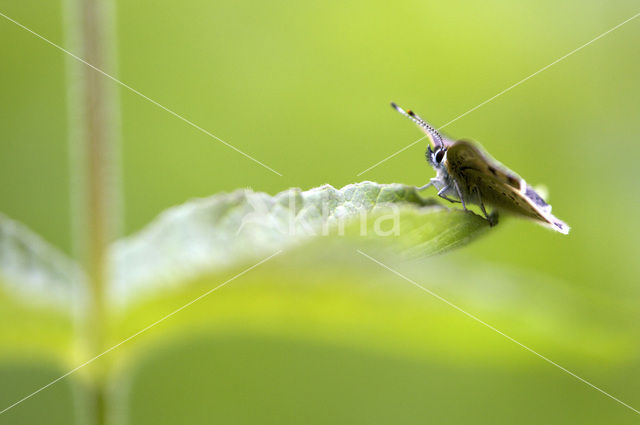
(93, 141)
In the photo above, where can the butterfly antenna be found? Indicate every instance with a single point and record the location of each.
(436, 138)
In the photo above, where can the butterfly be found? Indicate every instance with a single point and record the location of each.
(465, 172)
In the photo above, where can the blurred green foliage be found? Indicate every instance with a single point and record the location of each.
(304, 87)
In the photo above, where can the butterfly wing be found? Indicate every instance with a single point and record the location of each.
(496, 186)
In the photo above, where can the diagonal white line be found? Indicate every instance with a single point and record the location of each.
(428, 291)
(391, 156)
(541, 69)
(175, 114)
(509, 88)
(138, 333)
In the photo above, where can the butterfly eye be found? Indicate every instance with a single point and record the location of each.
(439, 156)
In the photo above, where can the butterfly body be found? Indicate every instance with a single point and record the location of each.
(465, 172)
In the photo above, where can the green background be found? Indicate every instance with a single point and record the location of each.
(304, 87)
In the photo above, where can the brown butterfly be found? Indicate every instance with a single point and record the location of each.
(471, 176)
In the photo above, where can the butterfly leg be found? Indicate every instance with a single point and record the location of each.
(431, 183)
(484, 211)
(455, 183)
(443, 196)
(493, 218)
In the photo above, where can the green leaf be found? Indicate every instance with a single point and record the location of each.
(39, 287)
(342, 298)
(205, 235)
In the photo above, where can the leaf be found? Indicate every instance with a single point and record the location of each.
(343, 299)
(39, 287)
(205, 235)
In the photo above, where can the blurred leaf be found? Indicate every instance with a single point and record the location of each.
(209, 234)
(39, 287)
(340, 298)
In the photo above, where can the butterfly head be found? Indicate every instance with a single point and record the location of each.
(436, 157)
